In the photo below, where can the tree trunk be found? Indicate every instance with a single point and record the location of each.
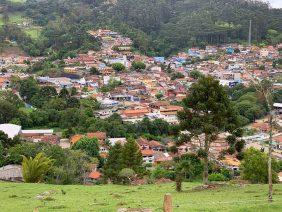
(270, 186)
(178, 185)
(206, 162)
(178, 181)
(206, 171)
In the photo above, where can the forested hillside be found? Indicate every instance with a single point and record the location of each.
(158, 27)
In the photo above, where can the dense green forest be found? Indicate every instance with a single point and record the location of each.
(157, 27)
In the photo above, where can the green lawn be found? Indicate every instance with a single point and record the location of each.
(22, 197)
(19, 18)
(15, 18)
(1, 20)
(18, 1)
(33, 32)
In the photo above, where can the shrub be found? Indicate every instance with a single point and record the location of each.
(254, 167)
(240, 156)
(126, 175)
(231, 150)
(2, 159)
(89, 145)
(118, 67)
(159, 172)
(34, 169)
(239, 146)
(138, 65)
(217, 177)
(226, 173)
(69, 166)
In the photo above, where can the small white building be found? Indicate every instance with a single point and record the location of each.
(114, 141)
(278, 107)
(11, 130)
(148, 156)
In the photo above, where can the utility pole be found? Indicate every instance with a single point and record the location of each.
(250, 33)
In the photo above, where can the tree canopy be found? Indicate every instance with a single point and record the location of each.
(208, 110)
(156, 27)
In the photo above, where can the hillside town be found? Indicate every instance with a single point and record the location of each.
(151, 92)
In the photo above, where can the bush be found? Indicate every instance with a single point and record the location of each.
(159, 172)
(280, 165)
(126, 175)
(138, 65)
(254, 167)
(118, 67)
(231, 150)
(2, 159)
(89, 145)
(226, 173)
(34, 169)
(189, 167)
(217, 177)
(69, 166)
(240, 156)
(239, 146)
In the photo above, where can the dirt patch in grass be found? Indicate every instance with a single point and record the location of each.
(209, 187)
(58, 207)
(117, 196)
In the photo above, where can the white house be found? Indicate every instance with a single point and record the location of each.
(11, 130)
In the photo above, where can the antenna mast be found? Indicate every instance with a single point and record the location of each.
(250, 33)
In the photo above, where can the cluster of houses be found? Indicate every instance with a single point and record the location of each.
(153, 152)
(149, 93)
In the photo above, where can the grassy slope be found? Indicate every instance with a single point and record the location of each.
(21, 197)
(19, 18)
(18, 1)
(1, 20)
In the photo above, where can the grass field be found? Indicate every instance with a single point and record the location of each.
(1, 20)
(18, 18)
(33, 32)
(104, 198)
(18, 1)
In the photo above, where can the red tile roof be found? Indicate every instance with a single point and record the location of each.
(95, 175)
(278, 139)
(147, 152)
(75, 138)
(132, 113)
(155, 144)
(98, 135)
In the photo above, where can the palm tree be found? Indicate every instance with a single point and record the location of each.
(35, 168)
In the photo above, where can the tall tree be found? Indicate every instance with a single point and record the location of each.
(254, 167)
(88, 145)
(28, 88)
(8, 111)
(64, 93)
(114, 163)
(208, 111)
(132, 157)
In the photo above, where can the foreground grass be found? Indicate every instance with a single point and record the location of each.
(22, 197)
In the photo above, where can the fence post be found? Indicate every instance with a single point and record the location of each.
(167, 203)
